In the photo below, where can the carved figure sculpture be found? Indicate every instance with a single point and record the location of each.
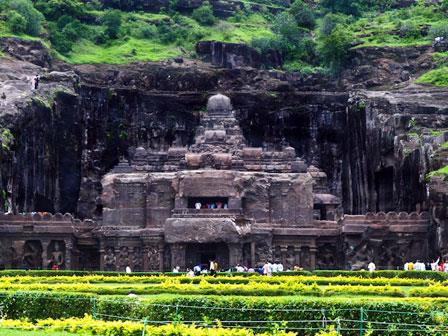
(109, 259)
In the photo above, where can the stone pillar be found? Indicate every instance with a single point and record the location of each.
(253, 260)
(45, 243)
(313, 250)
(68, 253)
(283, 252)
(178, 256)
(161, 256)
(235, 254)
(298, 251)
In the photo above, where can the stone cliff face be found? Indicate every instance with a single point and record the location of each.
(83, 119)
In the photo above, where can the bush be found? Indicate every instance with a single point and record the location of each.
(440, 30)
(112, 21)
(334, 49)
(16, 22)
(32, 17)
(90, 326)
(204, 14)
(329, 22)
(409, 30)
(349, 7)
(148, 31)
(41, 305)
(52, 9)
(303, 14)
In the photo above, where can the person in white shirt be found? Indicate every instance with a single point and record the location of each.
(239, 268)
(280, 267)
(406, 267)
(197, 205)
(176, 269)
(435, 264)
(274, 267)
(371, 267)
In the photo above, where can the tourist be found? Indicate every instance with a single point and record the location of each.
(128, 269)
(434, 265)
(190, 273)
(445, 266)
(297, 268)
(239, 268)
(267, 268)
(275, 267)
(55, 267)
(198, 205)
(371, 267)
(280, 267)
(176, 269)
(219, 205)
(36, 80)
(410, 266)
(197, 270)
(213, 267)
(406, 266)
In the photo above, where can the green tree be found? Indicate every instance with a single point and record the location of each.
(53, 9)
(112, 21)
(33, 18)
(303, 14)
(204, 14)
(285, 27)
(334, 48)
(16, 22)
(329, 22)
(349, 7)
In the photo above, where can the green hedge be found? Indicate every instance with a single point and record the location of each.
(429, 275)
(437, 276)
(41, 305)
(310, 312)
(409, 314)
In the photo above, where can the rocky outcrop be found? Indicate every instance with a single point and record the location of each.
(236, 55)
(386, 66)
(79, 123)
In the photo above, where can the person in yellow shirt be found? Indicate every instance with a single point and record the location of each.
(411, 266)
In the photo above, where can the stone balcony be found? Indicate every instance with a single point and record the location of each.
(206, 213)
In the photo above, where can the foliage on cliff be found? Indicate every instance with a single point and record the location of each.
(312, 36)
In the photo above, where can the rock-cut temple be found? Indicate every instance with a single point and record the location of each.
(217, 199)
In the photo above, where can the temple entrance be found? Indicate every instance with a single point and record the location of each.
(202, 253)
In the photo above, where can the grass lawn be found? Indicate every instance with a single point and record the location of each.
(436, 77)
(120, 51)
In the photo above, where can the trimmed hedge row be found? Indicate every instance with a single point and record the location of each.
(204, 288)
(217, 280)
(89, 326)
(429, 275)
(41, 305)
(415, 316)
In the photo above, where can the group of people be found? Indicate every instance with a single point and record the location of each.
(212, 205)
(436, 266)
(267, 269)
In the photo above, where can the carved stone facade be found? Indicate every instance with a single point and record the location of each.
(218, 199)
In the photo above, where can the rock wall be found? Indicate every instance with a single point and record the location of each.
(76, 127)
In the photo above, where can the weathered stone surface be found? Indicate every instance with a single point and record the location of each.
(236, 55)
(66, 142)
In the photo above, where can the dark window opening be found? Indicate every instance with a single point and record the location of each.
(321, 210)
(208, 203)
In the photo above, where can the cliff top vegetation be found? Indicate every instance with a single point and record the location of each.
(311, 35)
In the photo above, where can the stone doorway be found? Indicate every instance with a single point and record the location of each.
(203, 253)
